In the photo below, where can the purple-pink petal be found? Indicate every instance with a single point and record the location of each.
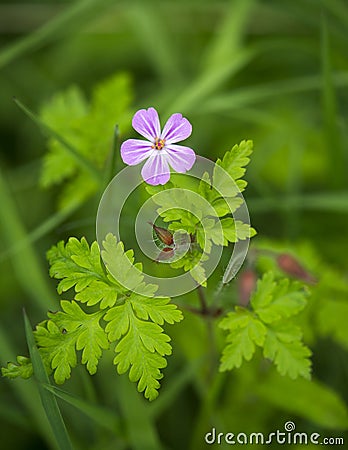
(176, 129)
(180, 158)
(134, 151)
(146, 123)
(156, 169)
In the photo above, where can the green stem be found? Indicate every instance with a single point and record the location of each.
(112, 160)
(202, 300)
(206, 312)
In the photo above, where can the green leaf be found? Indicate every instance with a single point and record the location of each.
(70, 330)
(284, 347)
(245, 331)
(88, 128)
(59, 347)
(58, 163)
(205, 188)
(109, 106)
(157, 309)
(235, 230)
(75, 263)
(141, 348)
(120, 264)
(234, 163)
(99, 291)
(23, 368)
(208, 232)
(273, 301)
(180, 205)
(268, 326)
(198, 274)
(226, 205)
(192, 262)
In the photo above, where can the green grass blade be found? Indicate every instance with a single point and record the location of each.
(329, 101)
(206, 84)
(144, 18)
(250, 95)
(65, 22)
(46, 130)
(48, 399)
(25, 394)
(229, 39)
(26, 264)
(225, 57)
(338, 8)
(32, 236)
(103, 417)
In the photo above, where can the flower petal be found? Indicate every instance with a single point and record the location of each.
(176, 129)
(146, 123)
(180, 158)
(156, 169)
(133, 151)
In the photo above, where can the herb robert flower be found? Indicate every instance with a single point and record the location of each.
(160, 149)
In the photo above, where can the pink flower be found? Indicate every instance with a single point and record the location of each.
(160, 149)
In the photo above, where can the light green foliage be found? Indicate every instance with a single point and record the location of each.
(327, 308)
(203, 209)
(192, 262)
(274, 301)
(134, 321)
(88, 126)
(142, 344)
(67, 331)
(269, 325)
(121, 262)
(63, 113)
(234, 163)
(23, 368)
(245, 331)
(235, 230)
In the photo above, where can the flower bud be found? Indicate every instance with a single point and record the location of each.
(163, 235)
(288, 264)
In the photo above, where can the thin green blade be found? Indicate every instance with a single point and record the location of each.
(48, 399)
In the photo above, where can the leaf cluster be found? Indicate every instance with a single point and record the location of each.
(325, 316)
(269, 324)
(87, 128)
(105, 312)
(204, 210)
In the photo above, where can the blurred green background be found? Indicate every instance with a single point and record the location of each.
(272, 71)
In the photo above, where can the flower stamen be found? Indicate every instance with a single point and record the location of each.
(159, 143)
